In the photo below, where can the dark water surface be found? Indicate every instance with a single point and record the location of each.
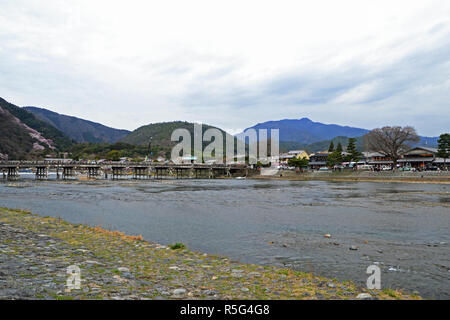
(404, 228)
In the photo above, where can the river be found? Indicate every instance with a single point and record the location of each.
(401, 227)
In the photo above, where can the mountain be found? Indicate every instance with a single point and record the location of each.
(306, 131)
(23, 136)
(161, 135)
(78, 129)
(315, 136)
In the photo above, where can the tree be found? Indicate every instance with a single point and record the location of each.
(113, 155)
(298, 163)
(353, 153)
(259, 164)
(444, 146)
(391, 141)
(331, 147)
(334, 158)
(339, 147)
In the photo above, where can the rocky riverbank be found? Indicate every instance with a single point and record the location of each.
(35, 253)
(442, 177)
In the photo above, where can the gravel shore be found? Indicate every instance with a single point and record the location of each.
(35, 253)
(441, 177)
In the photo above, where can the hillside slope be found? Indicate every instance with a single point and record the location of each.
(161, 135)
(78, 129)
(23, 136)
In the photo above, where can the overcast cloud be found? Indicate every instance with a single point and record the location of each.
(231, 63)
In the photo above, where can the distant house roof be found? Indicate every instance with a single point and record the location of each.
(57, 160)
(297, 151)
(370, 154)
(286, 156)
(321, 154)
(428, 149)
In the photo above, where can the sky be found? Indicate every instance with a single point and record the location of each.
(230, 63)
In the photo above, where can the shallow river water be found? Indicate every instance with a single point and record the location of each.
(402, 227)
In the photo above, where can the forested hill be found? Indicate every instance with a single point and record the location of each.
(161, 133)
(78, 129)
(23, 136)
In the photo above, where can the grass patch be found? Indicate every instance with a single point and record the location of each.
(177, 246)
(390, 292)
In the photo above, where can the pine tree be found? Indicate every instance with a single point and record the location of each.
(298, 163)
(331, 148)
(334, 158)
(444, 146)
(339, 147)
(354, 154)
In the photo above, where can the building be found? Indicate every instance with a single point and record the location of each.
(419, 157)
(318, 159)
(60, 160)
(300, 154)
(284, 158)
(377, 159)
(442, 163)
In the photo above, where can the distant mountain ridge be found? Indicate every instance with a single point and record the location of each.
(78, 129)
(304, 132)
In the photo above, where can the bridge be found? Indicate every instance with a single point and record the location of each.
(10, 170)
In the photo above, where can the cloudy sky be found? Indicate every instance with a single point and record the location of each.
(231, 63)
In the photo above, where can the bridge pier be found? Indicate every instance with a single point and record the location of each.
(93, 172)
(4, 174)
(182, 172)
(159, 173)
(68, 172)
(41, 173)
(140, 173)
(117, 172)
(204, 173)
(12, 173)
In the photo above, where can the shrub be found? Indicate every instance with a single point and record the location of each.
(177, 246)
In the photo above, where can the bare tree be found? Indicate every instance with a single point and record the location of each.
(391, 141)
